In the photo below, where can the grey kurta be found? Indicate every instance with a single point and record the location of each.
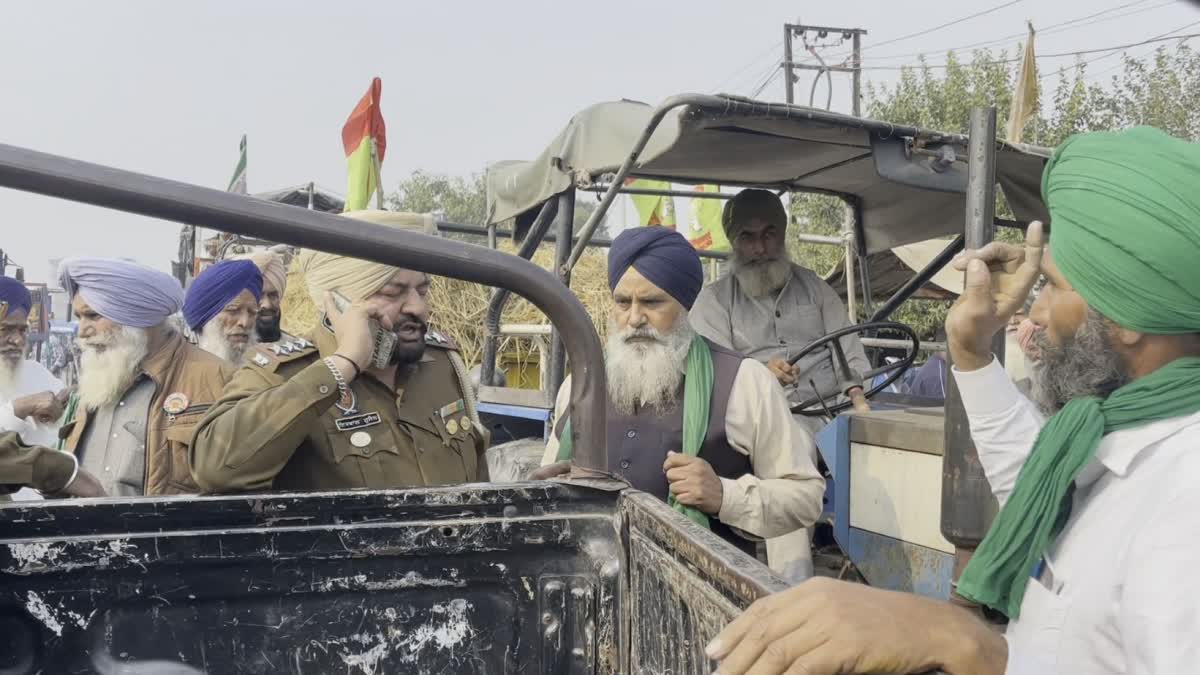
(779, 326)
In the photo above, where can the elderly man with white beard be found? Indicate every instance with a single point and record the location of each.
(769, 308)
(142, 387)
(699, 426)
(31, 402)
(221, 308)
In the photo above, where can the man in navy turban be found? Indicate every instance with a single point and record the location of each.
(701, 427)
(221, 308)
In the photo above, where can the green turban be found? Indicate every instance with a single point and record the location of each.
(1125, 226)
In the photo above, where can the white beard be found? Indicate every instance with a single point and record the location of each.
(646, 373)
(764, 277)
(214, 341)
(109, 364)
(9, 374)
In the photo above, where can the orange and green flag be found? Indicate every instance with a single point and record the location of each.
(652, 209)
(364, 139)
(705, 230)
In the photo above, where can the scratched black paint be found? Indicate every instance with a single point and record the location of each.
(516, 578)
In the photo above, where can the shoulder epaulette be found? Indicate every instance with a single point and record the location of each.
(271, 355)
(439, 339)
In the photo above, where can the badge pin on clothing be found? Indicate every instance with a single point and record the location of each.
(261, 359)
(452, 427)
(360, 439)
(175, 403)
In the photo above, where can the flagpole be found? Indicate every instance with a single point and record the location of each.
(378, 175)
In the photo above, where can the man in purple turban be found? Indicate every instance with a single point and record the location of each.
(221, 308)
(701, 427)
(142, 387)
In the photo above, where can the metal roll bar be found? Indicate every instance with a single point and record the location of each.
(55, 176)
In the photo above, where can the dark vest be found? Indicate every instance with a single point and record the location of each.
(638, 443)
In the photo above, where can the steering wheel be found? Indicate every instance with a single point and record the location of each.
(832, 341)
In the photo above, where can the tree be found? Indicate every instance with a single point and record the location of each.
(1160, 89)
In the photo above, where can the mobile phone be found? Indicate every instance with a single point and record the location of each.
(385, 341)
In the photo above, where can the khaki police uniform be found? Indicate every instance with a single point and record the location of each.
(277, 426)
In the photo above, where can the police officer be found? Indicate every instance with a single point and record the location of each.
(371, 397)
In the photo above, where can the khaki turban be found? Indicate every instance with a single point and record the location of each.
(354, 278)
(270, 263)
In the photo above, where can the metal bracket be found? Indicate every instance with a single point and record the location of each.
(567, 612)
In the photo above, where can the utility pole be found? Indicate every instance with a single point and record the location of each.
(852, 66)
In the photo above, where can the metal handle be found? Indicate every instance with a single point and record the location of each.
(54, 176)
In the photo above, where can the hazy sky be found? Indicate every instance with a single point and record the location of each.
(168, 88)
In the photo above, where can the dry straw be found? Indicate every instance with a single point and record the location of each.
(458, 308)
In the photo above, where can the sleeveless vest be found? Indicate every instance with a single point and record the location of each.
(638, 442)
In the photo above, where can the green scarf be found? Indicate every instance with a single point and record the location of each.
(1040, 502)
(697, 396)
(68, 416)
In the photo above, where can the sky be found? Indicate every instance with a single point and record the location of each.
(168, 88)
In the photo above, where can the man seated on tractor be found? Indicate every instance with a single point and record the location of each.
(769, 308)
(1093, 555)
(697, 425)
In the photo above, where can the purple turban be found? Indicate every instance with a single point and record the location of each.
(663, 256)
(15, 294)
(216, 287)
(122, 290)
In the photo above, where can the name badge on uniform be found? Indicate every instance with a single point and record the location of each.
(355, 422)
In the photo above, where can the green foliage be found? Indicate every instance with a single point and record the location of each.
(456, 199)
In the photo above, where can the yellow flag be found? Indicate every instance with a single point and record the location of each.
(653, 209)
(705, 230)
(1025, 94)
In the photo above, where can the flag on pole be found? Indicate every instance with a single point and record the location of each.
(1025, 94)
(652, 209)
(364, 138)
(705, 230)
(237, 184)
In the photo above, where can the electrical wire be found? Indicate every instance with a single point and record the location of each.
(1111, 49)
(1165, 37)
(938, 27)
(757, 60)
(1052, 29)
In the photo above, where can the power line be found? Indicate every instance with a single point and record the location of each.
(926, 31)
(753, 62)
(1052, 29)
(766, 82)
(1161, 38)
(1114, 48)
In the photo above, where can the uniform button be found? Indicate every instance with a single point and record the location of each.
(421, 450)
(631, 433)
(114, 435)
(778, 314)
(323, 389)
(624, 464)
(366, 452)
(121, 403)
(107, 469)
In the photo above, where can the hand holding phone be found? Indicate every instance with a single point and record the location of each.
(361, 338)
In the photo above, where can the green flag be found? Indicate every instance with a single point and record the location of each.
(237, 184)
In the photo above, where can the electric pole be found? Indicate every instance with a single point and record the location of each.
(853, 65)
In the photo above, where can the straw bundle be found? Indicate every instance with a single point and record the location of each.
(458, 308)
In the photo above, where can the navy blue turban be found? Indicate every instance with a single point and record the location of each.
(661, 255)
(15, 294)
(216, 287)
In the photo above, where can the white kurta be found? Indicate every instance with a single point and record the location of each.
(785, 492)
(31, 378)
(1121, 590)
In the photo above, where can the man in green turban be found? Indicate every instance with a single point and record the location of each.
(1095, 552)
